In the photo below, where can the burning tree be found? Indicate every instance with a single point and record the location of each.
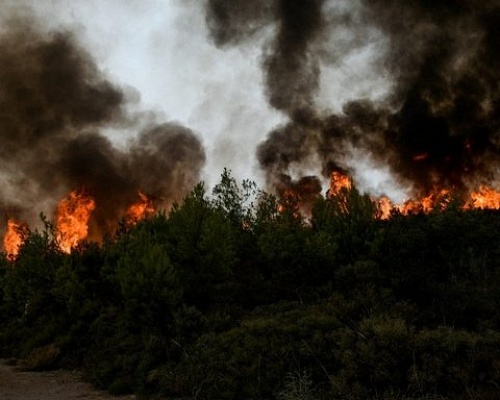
(73, 214)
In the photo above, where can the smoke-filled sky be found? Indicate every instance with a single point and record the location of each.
(163, 50)
(114, 95)
(160, 52)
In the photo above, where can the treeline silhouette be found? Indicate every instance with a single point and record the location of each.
(225, 297)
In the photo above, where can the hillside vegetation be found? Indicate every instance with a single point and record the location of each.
(225, 297)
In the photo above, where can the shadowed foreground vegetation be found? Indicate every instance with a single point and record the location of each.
(225, 298)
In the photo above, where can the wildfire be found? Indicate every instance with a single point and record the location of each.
(13, 238)
(290, 200)
(437, 198)
(385, 207)
(139, 210)
(299, 195)
(73, 213)
(338, 181)
(485, 197)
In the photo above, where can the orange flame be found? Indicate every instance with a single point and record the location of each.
(139, 210)
(73, 213)
(439, 197)
(485, 197)
(13, 238)
(338, 181)
(385, 207)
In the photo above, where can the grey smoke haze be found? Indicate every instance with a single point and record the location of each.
(54, 103)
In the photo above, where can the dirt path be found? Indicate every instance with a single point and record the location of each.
(54, 385)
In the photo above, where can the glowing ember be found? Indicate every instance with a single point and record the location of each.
(289, 200)
(420, 157)
(298, 196)
(338, 181)
(140, 210)
(73, 214)
(13, 238)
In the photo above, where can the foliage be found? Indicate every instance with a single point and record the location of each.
(237, 296)
(298, 386)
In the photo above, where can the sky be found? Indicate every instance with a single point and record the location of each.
(161, 53)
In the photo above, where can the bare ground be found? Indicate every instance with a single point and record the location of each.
(16, 384)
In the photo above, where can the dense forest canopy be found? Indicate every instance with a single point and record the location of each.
(237, 295)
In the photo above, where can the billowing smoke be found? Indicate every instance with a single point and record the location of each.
(440, 125)
(54, 107)
(292, 69)
(444, 59)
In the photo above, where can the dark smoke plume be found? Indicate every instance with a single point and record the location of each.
(444, 57)
(54, 103)
(440, 127)
(233, 21)
(292, 70)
